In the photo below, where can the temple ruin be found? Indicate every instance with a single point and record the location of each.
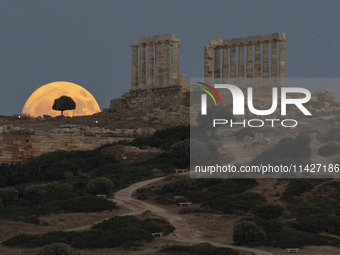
(160, 94)
(247, 61)
(155, 63)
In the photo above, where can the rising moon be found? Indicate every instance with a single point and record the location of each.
(41, 101)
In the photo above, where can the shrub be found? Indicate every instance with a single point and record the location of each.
(236, 202)
(329, 150)
(41, 193)
(297, 187)
(164, 200)
(180, 153)
(240, 135)
(30, 241)
(1, 205)
(100, 185)
(114, 232)
(185, 211)
(268, 211)
(199, 151)
(164, 138)
(199, 249)
(9, 195)
(56, 249)
(88, 203)
(248, 233)
(287, 151)
(291, 238)
(302, 139)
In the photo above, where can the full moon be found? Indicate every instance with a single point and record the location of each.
(41, 101)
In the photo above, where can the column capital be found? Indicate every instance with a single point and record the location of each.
(175, 40)
(134, 45)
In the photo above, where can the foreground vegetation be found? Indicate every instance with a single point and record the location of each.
(124, 231)
(199, 249)
(67, 181)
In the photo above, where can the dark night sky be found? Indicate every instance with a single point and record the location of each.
(87, 41)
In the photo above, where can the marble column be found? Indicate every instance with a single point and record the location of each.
(150, 78)
(134, 67)
(241, 65)
(233, 64)
(273, 61)
(166, 64)
(208, 58)
(282, 63)
(142, 67)
(249, 65)
(257, 64)
(225, 65)
(174, 62)
(265, 63)
(158, 64)
(217, 63)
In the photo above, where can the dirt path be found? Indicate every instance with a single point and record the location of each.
(183, 232)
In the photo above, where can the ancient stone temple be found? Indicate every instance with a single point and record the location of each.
(247, 61)
(159, 93)
(155, 63)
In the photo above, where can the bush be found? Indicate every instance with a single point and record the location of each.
(1, 205)
(240, 135)
(56, 249)
(297, 187)
(200, 152)
(288, 150)
(329, 150)
(9, 195)
(236, 202)
(164, 138)
(41, 193)
(248, 233)
(185, 211)
(199, 249)
(268, 211)
(297, 239)
(269, 226)
(179, 153)
(165, 200)
(88, 203)
(30, 241)
(100, 185)
(302, 139)
(110, 233)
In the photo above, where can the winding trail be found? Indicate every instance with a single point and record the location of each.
(183, 231)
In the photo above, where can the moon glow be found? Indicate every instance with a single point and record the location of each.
(41, 101)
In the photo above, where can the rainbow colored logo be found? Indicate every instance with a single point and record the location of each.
(209, 93)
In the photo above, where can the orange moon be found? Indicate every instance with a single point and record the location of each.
(41, 101)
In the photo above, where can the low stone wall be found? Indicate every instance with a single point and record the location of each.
(18, 144)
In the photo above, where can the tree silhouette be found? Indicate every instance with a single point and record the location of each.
(63, 103)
